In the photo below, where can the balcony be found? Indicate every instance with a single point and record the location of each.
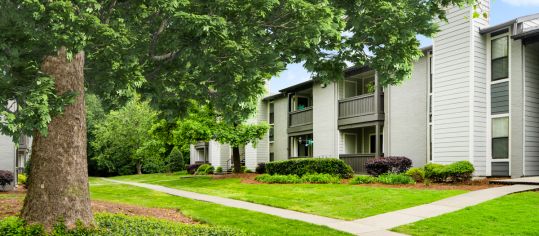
(361, 109)
(357, 161)
(301, 120)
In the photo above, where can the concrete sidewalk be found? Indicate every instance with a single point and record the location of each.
(374, 225)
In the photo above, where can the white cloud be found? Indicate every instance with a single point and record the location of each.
(522, 3)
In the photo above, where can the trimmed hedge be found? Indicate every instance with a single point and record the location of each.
(294, 179)
(303, 166)
(117, 225)
(382, 165)
(261, 168)
(456, 172)
(205, 169)
(191, 169)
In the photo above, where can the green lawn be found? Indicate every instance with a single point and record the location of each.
(516, 214)
(333, 200)
(213, 214)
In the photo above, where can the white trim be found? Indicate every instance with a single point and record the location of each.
(471, 94)
(523, 64)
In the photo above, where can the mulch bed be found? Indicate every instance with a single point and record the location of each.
(12, 207)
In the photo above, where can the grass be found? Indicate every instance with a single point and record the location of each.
(515, 214)
(213, 214)
(340, 201)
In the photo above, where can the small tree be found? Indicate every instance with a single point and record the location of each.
(122, 142)
(174, 161)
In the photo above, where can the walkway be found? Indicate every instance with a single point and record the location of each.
(524, 180)
(374, 225)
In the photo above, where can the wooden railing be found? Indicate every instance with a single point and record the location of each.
(301, 117)
(357, 161)
(358, 106)
(24, 142)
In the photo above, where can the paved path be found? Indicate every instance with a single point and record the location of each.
(371, 226)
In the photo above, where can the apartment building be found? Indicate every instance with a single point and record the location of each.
(473, 95)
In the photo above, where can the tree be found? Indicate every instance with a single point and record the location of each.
(205, 124)
(175, 161)
(122, 143)
(172, 51)
(94, 115)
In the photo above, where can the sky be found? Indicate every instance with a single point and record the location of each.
(500, 11)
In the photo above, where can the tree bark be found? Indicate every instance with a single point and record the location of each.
(58, 181)
(236, 159)
(139, 167)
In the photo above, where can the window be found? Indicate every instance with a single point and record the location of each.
(500, 58)
(372, 143)
(271, 113)
(272, 156)
(500, 138)
(272, 133)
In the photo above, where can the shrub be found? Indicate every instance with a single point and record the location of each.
(418, 174)
(21, 179)
(219, 169)
(302, 166)
(392, 178)
(261, 168)
(6, 178)
(191, 169)
(363, 179)
(279, 179)
(382, 165)
(174, 161)
(321, 179)
(205, 169)
(116, 225)
(248, 171)
(456, 172)
(242, 169)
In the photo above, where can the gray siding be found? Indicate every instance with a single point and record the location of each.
(500, 98)
(532, 110)
(406, 124)
(500, 169)
(280, 145)
(325, 132)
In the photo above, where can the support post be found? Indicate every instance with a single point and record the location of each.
(377, 141)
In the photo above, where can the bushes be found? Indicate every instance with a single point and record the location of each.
(388, 178)
(21, 179)
(363, 179)
(191, 169)
(456, 172)
(294, 179)
(116, 225)
(219, 170)
(302, 166)
(392, 178)
(261, 168)
(418, 174)
(205, 169)
(6, 178)
(382, 165)
(174, 161)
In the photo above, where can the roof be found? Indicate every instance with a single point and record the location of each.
(493, 28)
(273, 96)
(302, 85)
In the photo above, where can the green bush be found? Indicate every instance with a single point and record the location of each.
(174, 161)
(219, 170)
(116, 225)
(418, 174)
(205, 169)
(248, 171)
(456, 172)
(21, 179)
(321, 179)
(392, 178)
(363, 179)
(279, 179)
(302, 166)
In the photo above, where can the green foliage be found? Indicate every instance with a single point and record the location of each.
(248, 171)
(122, 140)
(94, 115)
(294, 179)
(279, 179)
(455, 172)
(219, 169)
(205, 169)
(363, 179)
(392, 178)
(175, 161)
(321, 179)
(302, 166)
(21, 179)
(418, 174)
(115, 224)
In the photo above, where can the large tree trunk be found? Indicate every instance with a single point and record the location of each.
(58, 181)
(236, 159)
(139, 167)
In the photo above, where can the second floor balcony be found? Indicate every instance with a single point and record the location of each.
(362, 108)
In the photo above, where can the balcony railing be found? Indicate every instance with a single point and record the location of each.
(360, 106)
(357, 161)
(301, 117)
